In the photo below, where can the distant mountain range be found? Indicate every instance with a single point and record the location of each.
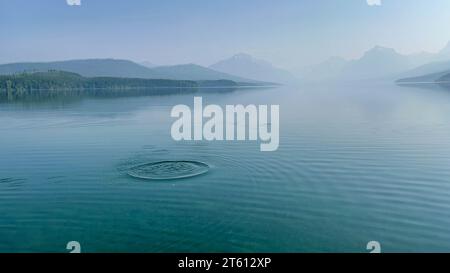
(428, 71)
(379, 63)
(246, 66)
(126, 69)
(435, 71)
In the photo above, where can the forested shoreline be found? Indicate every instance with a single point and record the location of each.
(60, 80)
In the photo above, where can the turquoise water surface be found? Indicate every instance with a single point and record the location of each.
(356, 163)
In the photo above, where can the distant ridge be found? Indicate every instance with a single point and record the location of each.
(123, 69)
(86, 68)
(428, 78)
(379, 63)
(196, 73)
(244, 65)
(376, 63)
(427, 70)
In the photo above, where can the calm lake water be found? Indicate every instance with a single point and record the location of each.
(356, 163)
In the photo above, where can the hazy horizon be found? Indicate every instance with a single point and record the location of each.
(290, 35)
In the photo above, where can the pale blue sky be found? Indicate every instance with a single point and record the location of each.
(289, 33)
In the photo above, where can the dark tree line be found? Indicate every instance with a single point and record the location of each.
(59, 80)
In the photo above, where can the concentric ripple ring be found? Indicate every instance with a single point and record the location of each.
(168, 170)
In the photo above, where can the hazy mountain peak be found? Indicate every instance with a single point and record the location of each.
(378, 62)
(245, 65)
(247, 59)
(380, 50)
(242, 56)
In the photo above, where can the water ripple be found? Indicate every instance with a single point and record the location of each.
(168, 170)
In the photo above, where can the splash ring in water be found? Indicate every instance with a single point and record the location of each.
(168, 170)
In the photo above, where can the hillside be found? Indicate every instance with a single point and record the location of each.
(429, 78)
(434, 68)
(195, 72)
(123, 69)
